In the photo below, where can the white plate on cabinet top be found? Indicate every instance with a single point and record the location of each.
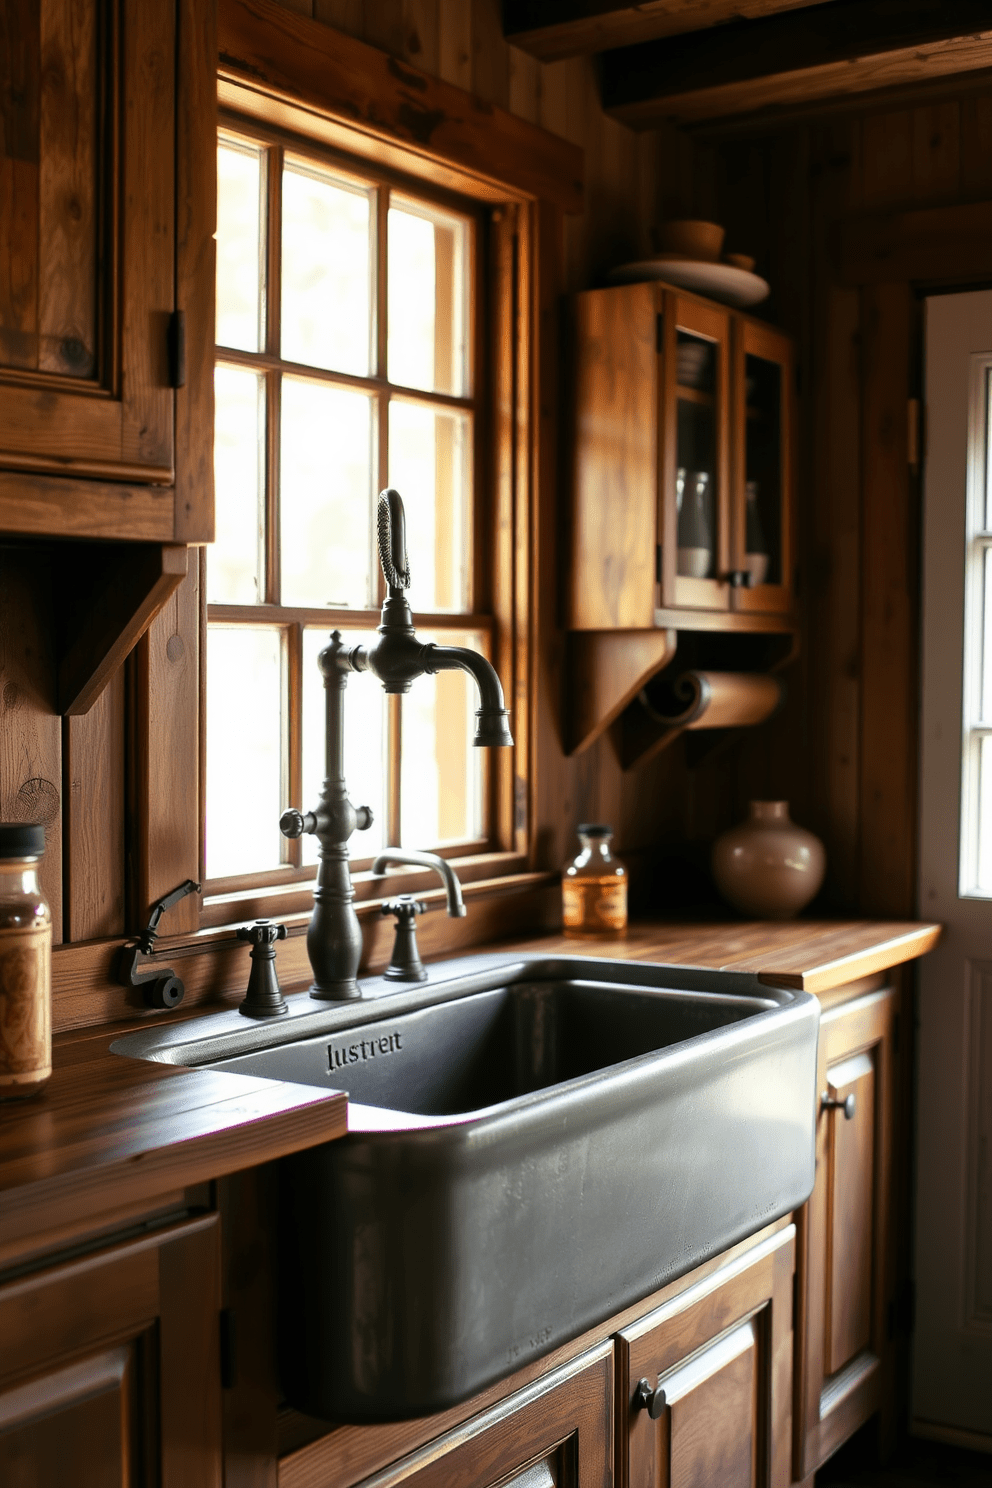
(724, 282)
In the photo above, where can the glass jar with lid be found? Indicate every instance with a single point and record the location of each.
(25, 964)
(594, 886)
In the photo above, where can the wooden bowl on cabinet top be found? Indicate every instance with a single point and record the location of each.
(687, 238)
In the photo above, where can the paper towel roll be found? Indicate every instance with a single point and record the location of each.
(698, 700)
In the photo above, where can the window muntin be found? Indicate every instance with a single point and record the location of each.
(975, 876)
(310, 424)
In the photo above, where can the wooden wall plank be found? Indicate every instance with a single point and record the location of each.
(30, 729)
(421, 34)
(196, 251)
(455, 42)
(490, 54)
(889, 607)
(887, 159)
(936, 151)
(976, 145)
(93, 784)
(525, 85)
(167, 746)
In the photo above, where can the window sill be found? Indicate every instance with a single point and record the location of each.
(214, 965)
(294, 900)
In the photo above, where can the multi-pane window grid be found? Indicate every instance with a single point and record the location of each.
(976, 764)
(344, 363)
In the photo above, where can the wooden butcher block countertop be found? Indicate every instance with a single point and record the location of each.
(113, 1138)
(813, 955)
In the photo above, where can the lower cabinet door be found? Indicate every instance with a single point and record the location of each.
(705, 1380)
(109, 1367)
(554, 1433)
(844, 1240)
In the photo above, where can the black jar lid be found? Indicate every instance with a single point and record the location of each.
(21, 840)
(594, 829)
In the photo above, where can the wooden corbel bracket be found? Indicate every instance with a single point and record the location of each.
(112, 595)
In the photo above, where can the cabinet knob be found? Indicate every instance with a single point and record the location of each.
(654, 1399)
(849, 1105)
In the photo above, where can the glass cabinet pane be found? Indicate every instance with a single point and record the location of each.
(763, 490)
(696, 473)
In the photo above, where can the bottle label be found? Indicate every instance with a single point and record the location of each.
(25, 1005)
(594, 906)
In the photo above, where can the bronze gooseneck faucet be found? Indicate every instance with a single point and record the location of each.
(334, 937)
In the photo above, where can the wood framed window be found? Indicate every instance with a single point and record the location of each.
(350, 356)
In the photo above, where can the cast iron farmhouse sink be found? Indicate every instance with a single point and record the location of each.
(533, 1144)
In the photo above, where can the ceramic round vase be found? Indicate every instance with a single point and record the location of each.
(767, 867)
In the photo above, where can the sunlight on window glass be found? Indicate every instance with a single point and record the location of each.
(326, 271)
(984, 884)
(429, 464)
(239, 245)
(244, 749)
(427, 301)
(326, 495)
(364, 758)
(441, 780)
(234, 559)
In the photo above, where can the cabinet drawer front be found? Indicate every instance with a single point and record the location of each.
(718, 1362)
(851, 1178)
(109, 1368)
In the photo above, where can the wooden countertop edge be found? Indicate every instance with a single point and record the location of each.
(852, 967)
(73, 1197)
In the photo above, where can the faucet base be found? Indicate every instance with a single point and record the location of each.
(347, 990)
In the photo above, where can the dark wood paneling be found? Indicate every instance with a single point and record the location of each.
(292, 57)
(93, 775)
(30, 731)
(889, 610)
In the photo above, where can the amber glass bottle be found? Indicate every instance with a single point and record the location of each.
(594, 886)
(25, 964)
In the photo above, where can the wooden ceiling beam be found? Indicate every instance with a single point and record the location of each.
(554, 29)
(823, 52)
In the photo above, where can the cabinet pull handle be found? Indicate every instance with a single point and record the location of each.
(849, 1105)
(654, 1399)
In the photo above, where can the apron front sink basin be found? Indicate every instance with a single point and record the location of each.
(533, 1145)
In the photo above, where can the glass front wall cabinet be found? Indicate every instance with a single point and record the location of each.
(682, 456)
(762, 381)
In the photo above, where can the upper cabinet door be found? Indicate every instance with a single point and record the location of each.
(694, 489)
(763, 382)
(87, 265)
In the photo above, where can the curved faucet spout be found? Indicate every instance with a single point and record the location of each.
(492, 721)
(401, 855)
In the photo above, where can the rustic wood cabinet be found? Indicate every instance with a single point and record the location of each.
(683, 487)
(844, 1273)
(110, 1372)
(706, 1379)
(106, 262)
(554, 1433)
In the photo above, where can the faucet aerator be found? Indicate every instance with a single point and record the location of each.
(492, 730)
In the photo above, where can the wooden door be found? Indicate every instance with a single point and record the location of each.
(109, 1370)
(87, 250)
(844, 1270)
(762, 467)
(554, 1433)
(694, 462)
(952, 1353)
(717, 1362)
(614, 373)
